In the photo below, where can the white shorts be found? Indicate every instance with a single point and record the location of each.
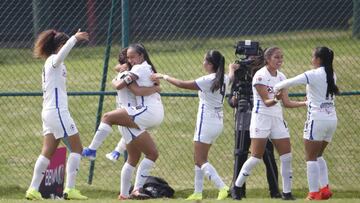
(265, 126)
(146, 117)
(320, 130)
(129, 134)
(58, 122)
(209, 126)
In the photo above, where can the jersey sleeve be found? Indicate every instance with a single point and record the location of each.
(136, 70)
(64, 51)
(203, 83)
(297, 80)
(258, 79)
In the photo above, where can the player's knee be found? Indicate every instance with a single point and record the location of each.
(152, 155)
(106, 118)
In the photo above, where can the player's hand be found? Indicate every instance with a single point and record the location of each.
(234, 67)
(82, 36)
(156, 81)
(278, 95)
(156, 76)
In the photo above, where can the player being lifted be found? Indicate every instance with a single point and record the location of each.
(136, 120)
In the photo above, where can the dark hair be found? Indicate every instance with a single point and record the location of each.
(326, 57)
(269, 52)
(122, 58)
(140, 49)
(48, 42)
(218, 61)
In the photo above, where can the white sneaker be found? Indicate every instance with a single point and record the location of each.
(113, 156)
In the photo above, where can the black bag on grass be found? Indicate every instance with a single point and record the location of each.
(157, 187)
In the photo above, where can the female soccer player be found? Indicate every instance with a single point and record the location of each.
(125, 98)
(321, 121)
(54, 46)
(209, 123)
(136, 120)
(267, 120)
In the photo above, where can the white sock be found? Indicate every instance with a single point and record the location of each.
(39, 171)
(286, 172)
(72, 167)
(246, 170)
(143, 172)
(102, 132)
(324, 177)
(313, 174)
(121, 146)
(199, 180)
(125, 181)
(211, 173)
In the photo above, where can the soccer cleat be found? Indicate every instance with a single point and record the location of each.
(121, 197)
(275, 195)
(89, 153)
(287, 196)
(195, 196)
(326, 192)
(32, 194)
(237, 193)
(314, 196)
(113, 156)
(223, 193)
(139, 194)
(73, 194)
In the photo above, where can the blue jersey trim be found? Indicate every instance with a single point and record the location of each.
(132, 134)
(201, 121)
(139, 113)
(58, 110)
(307, 79)
(257, 106)
(311, 130)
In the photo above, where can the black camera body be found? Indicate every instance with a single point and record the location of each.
(249, 55)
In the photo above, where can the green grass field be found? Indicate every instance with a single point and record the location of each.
(21, 122)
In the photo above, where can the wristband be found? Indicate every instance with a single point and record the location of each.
(166, 77)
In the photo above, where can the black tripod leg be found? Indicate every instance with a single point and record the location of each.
(271, 170)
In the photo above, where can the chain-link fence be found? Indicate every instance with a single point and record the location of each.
(177, 34)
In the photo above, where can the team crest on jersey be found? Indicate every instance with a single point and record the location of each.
(72, 127)
(259, 79)
(270, 89)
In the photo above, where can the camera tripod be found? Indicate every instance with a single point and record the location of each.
(241, 150)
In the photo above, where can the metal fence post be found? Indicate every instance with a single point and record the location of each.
(103, 81)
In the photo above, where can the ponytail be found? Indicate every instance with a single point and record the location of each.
(218, 61)
(326, 56)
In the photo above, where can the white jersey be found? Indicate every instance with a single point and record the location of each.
(210, 101)
(143, 72)
(54, 78)
(124, 98)
(320, 107)
(263, 77)
(210, 114)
